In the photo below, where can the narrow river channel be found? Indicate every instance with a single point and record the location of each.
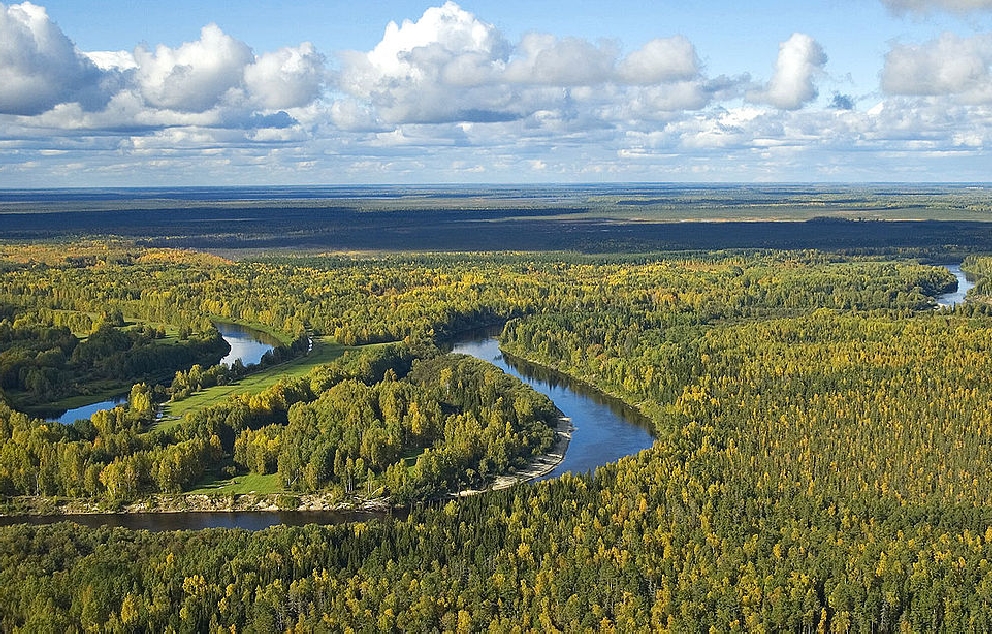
(964, 285)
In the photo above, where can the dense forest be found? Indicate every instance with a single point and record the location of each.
(823, 432)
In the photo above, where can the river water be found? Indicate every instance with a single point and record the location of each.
(964, 285)
(605, 429)
(246, 344)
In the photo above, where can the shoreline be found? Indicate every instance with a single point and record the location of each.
(159, 503)
(39, 506)
(539, 466)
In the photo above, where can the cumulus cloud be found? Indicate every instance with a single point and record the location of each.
(287, 78)
(195, 76)
(438, 68)
(545, 59)
(661, 60)
(40, 67)
(213, 82)
(800, 59)
(949, 65)
(925, 6)
(445, 44)
(450, 66)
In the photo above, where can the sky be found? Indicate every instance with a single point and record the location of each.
(125, 93)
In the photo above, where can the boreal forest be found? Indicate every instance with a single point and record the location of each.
(822, 434)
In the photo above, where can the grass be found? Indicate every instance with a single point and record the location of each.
(324, 351)
(250, 483)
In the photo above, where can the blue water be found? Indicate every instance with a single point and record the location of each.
(246, 344)
(964, 285)
(86, 411)
(605, 429)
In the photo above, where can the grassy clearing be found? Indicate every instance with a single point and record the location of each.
(324, 351)
(250, 483)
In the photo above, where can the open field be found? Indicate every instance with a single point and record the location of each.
(242, 484)
(324, 351)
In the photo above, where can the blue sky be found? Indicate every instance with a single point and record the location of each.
(108, 92)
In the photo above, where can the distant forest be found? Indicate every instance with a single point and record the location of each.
(592, 219)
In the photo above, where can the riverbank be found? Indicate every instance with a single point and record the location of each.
(540, 466)
(191, 503)
(270, 502)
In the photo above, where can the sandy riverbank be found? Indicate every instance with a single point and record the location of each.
(539, 466)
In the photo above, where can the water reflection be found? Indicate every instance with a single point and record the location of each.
(964, 285)
(247, 344)
(606, 429)
(157, 522)
(68, 417)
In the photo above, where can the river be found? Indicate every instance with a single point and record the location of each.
(604, 430)
(954, 298)
(246, 344)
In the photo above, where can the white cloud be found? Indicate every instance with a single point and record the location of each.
(450, 66)
(800, 59)
(439, 68)
(947, 66)
(194, 77)
(924, 6)
(287, 78)
(444, 43)
(545, 59)
(112, 60)
(40, 67)
(661, 60)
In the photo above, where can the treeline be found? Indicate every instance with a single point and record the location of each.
(366, 300)
(41, 362)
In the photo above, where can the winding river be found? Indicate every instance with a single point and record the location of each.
(964, 285)
(604, 431)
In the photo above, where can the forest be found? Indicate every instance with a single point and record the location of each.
(823, 431)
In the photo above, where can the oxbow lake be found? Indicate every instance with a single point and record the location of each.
(247, 344)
